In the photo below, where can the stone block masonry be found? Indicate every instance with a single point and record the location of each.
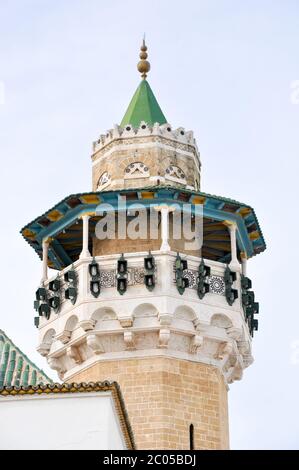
(163, 396)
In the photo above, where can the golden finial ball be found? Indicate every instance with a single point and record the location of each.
(143, 55)
(143, 66)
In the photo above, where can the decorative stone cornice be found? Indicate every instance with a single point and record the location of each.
(129, 340)
(234, 333)
(196, 344)
(43, 349)
(73, 353)
(56, 364)
(87, 325)
(94, 343)
(164, 319)
(64, 336)
(126, 322)
(161, 133)
(164, 337)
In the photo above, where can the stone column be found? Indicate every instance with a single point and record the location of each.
(234, 265)
(164, 209)
(45, 245)
(244, 263)
(164, 229)
(85, 251)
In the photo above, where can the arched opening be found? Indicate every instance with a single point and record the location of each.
(106, 319)
(71, 323)
(137, 170)
(104, 180)
(47, 342)
(221, 321)
(145, 314)
(175, 173)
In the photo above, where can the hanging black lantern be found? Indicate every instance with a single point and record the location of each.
(231, 295)
(249, 305)
(95, 285)
(55, 285)
(253, 325)
(181, 264)
(203, 270)
(184, 264)
(44, 310)
(181, 281)
(36, 322)
(71, 294)
(246, 283)
(122, 265)
(256, 307)
(122, 275)
(203, 287)
(95, 288)
(122, 284)
(149, 281)
(178, 262)
(149, 275)
(93, 268)
(149, 263)
(252, 309)
(41, 294)
(55, 303)
(70, 276)
(71, 291)
(229, 278)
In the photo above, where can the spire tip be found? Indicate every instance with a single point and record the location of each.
(143, 65)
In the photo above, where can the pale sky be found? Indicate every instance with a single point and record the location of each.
(222, 68)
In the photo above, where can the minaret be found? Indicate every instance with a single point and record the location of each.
(169, 319)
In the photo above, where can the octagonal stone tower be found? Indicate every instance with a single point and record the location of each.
(144, 150)
(172, 325)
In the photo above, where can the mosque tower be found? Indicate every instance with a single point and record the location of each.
(169, 319)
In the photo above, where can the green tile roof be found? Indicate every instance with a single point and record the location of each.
(15, 367)
(143, 107)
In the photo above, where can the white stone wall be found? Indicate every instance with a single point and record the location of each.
(60, 422)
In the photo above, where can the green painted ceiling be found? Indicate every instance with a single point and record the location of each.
(143, 107)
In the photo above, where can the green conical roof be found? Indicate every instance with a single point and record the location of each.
(143, 107)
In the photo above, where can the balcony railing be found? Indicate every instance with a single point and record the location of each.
(72, 285)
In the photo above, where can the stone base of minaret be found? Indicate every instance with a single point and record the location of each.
(165, 396)
(172, 354)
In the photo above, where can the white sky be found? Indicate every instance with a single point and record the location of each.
(222, 68)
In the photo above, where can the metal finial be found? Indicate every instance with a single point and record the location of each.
(143, 65)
